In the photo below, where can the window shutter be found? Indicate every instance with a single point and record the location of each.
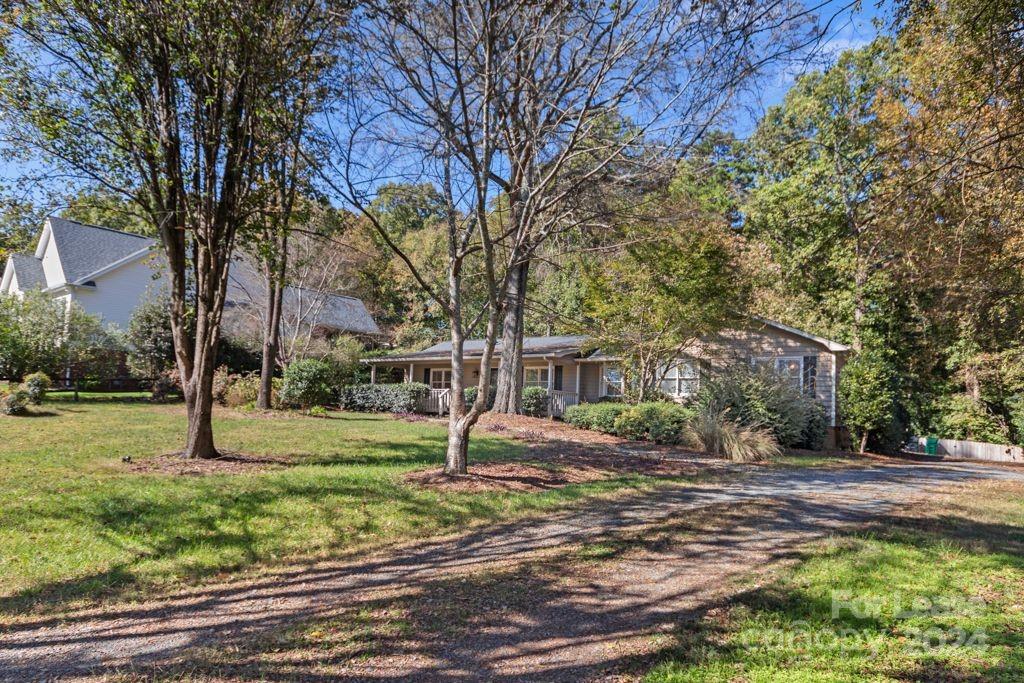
(558, 378)
(426, 376)
(810, 378)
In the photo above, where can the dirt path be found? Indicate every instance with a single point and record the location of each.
(552, 627)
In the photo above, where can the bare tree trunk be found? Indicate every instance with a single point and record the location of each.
(271, 342)
(509, 396)
(864, 442)
(275, 273)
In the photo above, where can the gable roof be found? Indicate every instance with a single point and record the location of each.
(568, 346)
(85, 251)
(532, 347)
(246, 287)
(28, 270)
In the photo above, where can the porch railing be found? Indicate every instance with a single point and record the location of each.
(560, 400)
(438, 401)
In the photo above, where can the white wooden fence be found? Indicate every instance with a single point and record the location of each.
(975, 450)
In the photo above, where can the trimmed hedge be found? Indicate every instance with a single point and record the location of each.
(383, 398)
(597, 416)
(535, 401)
(661, 422)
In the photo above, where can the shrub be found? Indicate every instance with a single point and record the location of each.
(471, 393)
(962, 417)
(535, 401)
(318, 411)
(242, 391)
(813, 435)
(596, 416)
(222, 381)
(760, 399)
(718, 435)
(383, 398)
(1015, 409)
(14, 403)
(307, 383)
(657, 421)
(36, 386)
(167, 383)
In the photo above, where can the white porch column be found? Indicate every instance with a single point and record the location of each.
(409, 379)
(551, 376)
(373, 374)
(579, 371)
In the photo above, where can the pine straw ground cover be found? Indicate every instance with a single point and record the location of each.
(78, 523)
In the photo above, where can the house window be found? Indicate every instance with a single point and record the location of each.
(681, 379)
(535, 377)
(611, 381)
(440, 379)
(789, 368)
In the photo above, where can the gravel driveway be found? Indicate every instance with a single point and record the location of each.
(575, 630)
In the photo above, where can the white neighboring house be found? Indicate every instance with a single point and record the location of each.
(109, 273)
(106, 272)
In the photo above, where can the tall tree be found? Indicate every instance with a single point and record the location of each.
(165, 102)
(503, 106)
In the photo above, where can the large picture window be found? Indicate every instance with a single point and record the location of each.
(535, 377)
(440, 379)
(681, 379)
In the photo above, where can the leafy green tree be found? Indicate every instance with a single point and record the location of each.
(867, 395)
(167, 103)
(108, 210)
(659, 296)
(149, 342)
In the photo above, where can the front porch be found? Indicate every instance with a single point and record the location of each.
(438, 402)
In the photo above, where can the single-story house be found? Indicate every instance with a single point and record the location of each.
(109, 273)
(572, 372)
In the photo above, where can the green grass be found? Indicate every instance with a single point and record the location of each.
(962, 560)
(75, 523)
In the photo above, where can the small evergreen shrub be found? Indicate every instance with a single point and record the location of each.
(383, 398)
(318, 411)
(14, 403)
(597, 416)
(36, 385)
(307, 382)
(471, 392)
(658, 421)
(535, 401)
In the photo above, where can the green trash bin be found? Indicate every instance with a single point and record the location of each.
(931, 445)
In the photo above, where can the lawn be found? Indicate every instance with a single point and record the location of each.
(76, 523)
(933, 594)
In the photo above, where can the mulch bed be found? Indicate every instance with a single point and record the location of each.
(227, 463)
(505, 476)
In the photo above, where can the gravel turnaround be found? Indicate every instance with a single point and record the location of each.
(575, 635)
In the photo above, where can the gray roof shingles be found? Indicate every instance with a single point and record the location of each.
(84, 249)
(29, 271)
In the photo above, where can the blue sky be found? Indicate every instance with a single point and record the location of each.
(846, 27)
